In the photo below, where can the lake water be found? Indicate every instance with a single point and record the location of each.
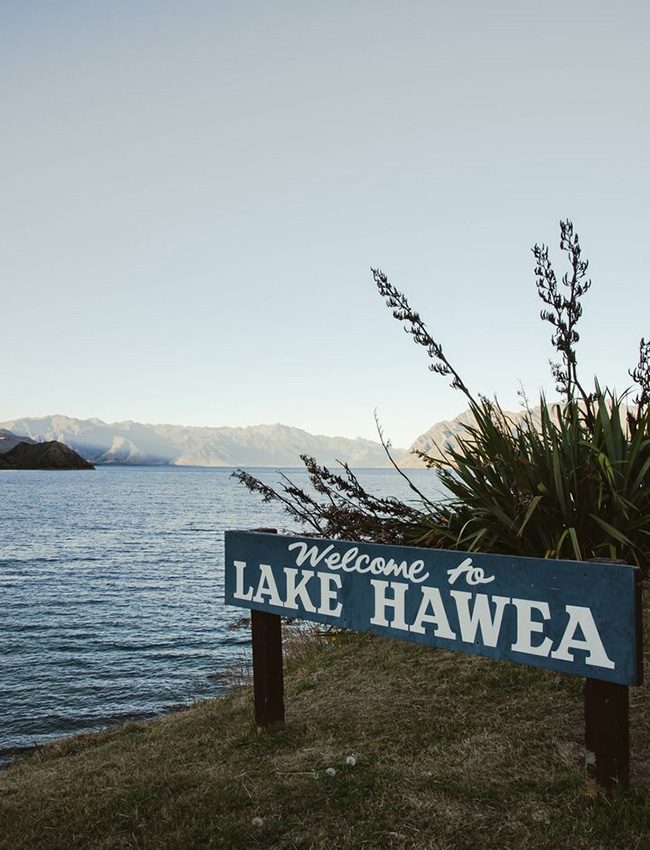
(111, 591)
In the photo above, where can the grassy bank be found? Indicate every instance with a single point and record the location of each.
(451, 752)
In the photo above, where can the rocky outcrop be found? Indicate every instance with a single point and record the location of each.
(50, 455)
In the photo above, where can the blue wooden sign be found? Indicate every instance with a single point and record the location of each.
(571, 616)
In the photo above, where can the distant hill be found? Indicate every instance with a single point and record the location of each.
(8, 440)
(444, 435)
(141, 444)
(50, 455)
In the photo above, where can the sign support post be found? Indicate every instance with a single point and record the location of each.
(607, 733)
(268, 677)
(607, 713)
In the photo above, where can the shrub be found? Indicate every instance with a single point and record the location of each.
(571, 482)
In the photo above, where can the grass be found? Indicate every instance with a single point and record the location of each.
(452, 752)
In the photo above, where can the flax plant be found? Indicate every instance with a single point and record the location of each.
(571, 487)
(572, 482)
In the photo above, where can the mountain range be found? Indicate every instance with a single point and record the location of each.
(136, 443)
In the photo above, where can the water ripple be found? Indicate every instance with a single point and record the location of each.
(111, 589)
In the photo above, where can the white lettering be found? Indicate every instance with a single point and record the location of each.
(312, 553)
(328, 595)
(473, 575)
(479, 616)
(351, 561)
(582, 618)
(431, 599)
(362, 559)
(294, 590)
(377, 566)
(333, 561)
(526, 626)
(416, 572)
(397, 603)
(239, 593)
(267, 587)
(350, 556)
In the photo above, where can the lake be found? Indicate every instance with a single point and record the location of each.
(111, 591)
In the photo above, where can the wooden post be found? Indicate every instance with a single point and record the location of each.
(607, 719)
(607, 733)
(268, 678)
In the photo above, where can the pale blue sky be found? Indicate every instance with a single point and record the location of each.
(193, 194)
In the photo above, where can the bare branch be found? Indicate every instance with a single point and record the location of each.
(387, 446)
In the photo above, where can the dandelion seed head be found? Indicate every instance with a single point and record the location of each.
(331, 771)
(351, 761)
(258, 821)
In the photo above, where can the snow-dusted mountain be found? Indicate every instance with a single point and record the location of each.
(255, 445)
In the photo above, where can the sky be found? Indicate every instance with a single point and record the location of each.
(194, 193)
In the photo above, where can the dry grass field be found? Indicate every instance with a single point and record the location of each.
(451, 752)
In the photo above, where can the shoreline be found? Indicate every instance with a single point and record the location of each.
(14, 755)
(386, 744)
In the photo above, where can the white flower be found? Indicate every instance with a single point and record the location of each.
(331, 771)
(258, 821)
(351, 761)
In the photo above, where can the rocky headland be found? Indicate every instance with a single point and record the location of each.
(49, 455)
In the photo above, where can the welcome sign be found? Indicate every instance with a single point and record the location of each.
(574, 617)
